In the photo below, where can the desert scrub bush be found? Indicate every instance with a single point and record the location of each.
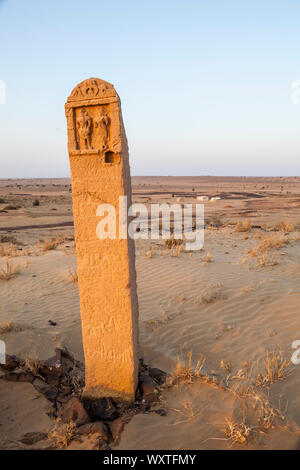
(172, 242)
(276, 367)
(239, 433)
(207, 258)
(8, 271)
(264, 250)
(73, 276)
(243, 226)
(2, 201)
(8, 250)
(31, 363)
(226, 365)
(53, 243)
(36, 202)
(185, 372)
(7, 239)
(285, 226)
(61, 434)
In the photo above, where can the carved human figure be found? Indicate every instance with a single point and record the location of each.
(102, 123)
(85, 127)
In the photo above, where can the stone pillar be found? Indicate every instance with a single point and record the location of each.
(100, 173)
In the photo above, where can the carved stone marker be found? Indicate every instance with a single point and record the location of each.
(100, 173)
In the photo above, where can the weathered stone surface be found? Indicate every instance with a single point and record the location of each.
(74, 411)
(158, 375)
(104, 409)
(31, 438)
(52, 367)
(94, 428)
(100, 173)
(50, 392)
(147, 389)
(116, 427)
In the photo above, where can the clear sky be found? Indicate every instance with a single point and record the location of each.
(205, 86)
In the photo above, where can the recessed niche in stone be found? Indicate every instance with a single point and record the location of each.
(111, 157)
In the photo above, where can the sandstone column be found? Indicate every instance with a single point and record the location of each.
(100, 173)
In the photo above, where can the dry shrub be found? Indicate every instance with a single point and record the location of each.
(267, 259)
(185, 372)
(207, 258)
(239, 433)
(9, 271)
(53, 243)
(264, 251)
(187, 412)
(285, 226)
(226, 365)
(270, 414)
(243, 226)
(276, 367)
(73, 276)
(7, 239)
(172, 242)
(31, 363)
(9, 250)
(62, 434)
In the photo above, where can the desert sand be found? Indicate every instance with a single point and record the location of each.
(226, 305)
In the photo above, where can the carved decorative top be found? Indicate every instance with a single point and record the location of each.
(92, 88)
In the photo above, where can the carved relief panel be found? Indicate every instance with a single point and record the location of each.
(90, 109)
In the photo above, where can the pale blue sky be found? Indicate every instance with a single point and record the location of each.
(205, 85)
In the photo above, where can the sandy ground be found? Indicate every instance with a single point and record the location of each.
(228, 305)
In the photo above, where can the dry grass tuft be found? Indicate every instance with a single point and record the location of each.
(276, 367)
(226, 365)
(9, 271)
(62, 434)
(187, 412)
(264, 251)
(7, 239)
(285, 226)
(243, 226)
(53, 243)
(239, 433)
(32, 364)
(185, 372)
(73, 276)
(172, 242)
